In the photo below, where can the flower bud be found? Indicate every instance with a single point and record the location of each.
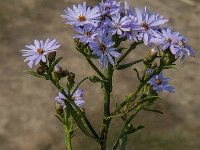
(130, 126)
(65, 72)
(41, 70)
(145, 61)
(59, 109)
(42, 63)
(153, 52)
(51, 56)
(71, 77)
(58, 71)
(153, 65)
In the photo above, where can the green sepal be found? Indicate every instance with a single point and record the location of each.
(35, 74)
(133, 129)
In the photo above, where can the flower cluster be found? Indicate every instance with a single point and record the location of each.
(98, 25)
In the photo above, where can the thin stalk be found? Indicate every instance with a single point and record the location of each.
(124, 128)
(75, 106)
(95, 68)
(133, 94)
(133, 46)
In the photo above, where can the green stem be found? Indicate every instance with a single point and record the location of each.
(106, 122)
(133, 94)
(125, 127)
(124, 66)
(75, 106)
(68, 131)
(68, 138)
(133, 46)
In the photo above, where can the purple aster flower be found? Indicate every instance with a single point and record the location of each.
(37, 52)
(80, 15)
(160, 83)
(86, 34)
(77, 97)
(109, 8)
(146, 23)
(119, 25)
(126, 10)
(182, 48)
(104, 48)
(172, 40)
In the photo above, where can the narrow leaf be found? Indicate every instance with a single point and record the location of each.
(60, 119)
(76, 118)
(134, 129)
(35, 74)
(94, 79)
(153, 110)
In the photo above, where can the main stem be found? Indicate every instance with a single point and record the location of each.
(106, 122)
(68, 139)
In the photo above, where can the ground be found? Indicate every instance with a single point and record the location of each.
(27, 104)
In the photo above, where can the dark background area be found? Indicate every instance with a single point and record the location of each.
(27, 120)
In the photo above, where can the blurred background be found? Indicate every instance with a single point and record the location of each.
(27, 120)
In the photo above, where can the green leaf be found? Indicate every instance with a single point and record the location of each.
(153, 110)
(76, 118)
(148, 99)
(35, 74)
(122, 142)
(134, 129)
(169, 67)
(124, 66)
(94, 79)
(59, 118)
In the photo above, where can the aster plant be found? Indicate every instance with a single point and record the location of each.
(101, 32)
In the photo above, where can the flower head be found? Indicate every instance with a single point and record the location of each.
(119, 25)
(160, 83)
(109, 8)
(38, 51)
(77, 97)
(172, 40)
(104, 49)
(146, 23)
(86, 34)
(80, 15)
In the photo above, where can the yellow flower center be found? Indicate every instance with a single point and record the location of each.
(169, 40)
(88, 34)
(102, 47)
(81, 18)
(145, 26)
(181, 44)
(158, 81)
(40, 51)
